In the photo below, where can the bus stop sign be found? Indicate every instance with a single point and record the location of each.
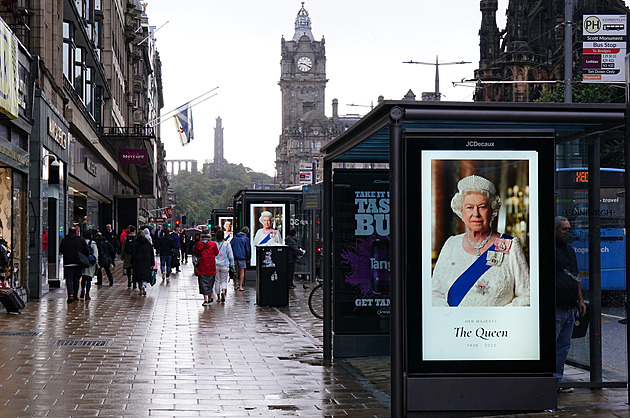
(311, 197)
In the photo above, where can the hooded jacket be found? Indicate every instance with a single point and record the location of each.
(241, 247)
(206, 251)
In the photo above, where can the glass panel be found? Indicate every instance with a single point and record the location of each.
(607, 220)
(66, 61)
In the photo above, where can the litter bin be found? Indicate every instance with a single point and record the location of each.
(272, 283)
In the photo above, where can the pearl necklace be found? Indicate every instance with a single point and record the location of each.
(478, 245)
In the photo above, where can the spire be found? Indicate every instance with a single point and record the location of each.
(302, 25)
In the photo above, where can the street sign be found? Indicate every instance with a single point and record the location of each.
(306, 177)
(311, 197)
(603, 48)
(157, 220)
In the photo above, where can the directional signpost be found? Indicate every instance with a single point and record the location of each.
(603, 48)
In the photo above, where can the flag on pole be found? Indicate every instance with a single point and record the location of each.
(184, 123)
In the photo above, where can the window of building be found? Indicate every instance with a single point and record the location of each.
(68, 50)
(79, 73)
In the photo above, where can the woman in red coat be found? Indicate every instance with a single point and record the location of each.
(205, 251)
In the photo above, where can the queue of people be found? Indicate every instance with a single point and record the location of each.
(215, 257)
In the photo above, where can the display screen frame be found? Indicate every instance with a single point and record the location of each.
(423, 319)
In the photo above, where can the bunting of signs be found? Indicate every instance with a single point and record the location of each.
(603, 48)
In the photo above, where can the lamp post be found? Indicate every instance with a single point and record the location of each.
(437, 72)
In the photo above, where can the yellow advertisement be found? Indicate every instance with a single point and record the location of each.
(8, 72)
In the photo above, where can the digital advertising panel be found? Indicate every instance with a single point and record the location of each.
(479, 229)
(480, 302)
(267, 225)
(361, 252)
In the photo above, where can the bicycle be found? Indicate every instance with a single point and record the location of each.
(316, 299)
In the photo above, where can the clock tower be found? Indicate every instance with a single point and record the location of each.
(303, 72)
(302, 83)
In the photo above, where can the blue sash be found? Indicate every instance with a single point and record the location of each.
(267, 238)
(467, 279)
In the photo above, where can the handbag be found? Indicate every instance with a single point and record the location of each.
(581, 324)
(232, 274)
(84, 261)
(153, 277)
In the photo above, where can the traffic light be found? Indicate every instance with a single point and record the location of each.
(184, 220)
(168, 224)
(177, 223)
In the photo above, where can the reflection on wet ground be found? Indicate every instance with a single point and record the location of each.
(122, 354)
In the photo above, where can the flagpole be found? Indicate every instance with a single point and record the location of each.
(159, 120)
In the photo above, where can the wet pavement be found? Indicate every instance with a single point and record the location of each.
(164, 354)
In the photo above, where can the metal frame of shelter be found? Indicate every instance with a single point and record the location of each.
(379, 138)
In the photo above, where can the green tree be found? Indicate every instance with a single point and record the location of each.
(612, 143)
(197, 194)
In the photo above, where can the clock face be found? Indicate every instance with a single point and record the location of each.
(304, 64)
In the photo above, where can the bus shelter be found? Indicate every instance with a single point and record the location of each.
(220, 216)
(286, 210)
(543, 160)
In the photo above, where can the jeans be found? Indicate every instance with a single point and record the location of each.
(99, 274)
(72, 275)
(165, 264)
(565, 318)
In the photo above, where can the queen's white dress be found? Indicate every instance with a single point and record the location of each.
(504, 285)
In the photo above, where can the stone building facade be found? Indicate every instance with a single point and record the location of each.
(531, 47)
(305, 127)
(93, 160)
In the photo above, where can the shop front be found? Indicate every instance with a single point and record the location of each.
(48, 198)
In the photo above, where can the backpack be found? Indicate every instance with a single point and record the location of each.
(130, 245)
(91, 253)
(103, 255)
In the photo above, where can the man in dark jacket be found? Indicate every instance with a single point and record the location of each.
(113, 239)
(294, 254)
(106, 256)
(70, 247)
(165, 249)
(568, 294)
(242, 251)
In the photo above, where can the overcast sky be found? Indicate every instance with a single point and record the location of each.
(235, 45)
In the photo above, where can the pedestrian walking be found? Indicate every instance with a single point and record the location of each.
(113, 239)
(106, 255)
(142, 260)
(191, 247)
(88, 272)
(206, 251)
(294, 254)
(127, 251)
(70, 247)
(147, 235)
(177, 245)
(185, 239)
(242, 251)
(165, 249)
(224, 261)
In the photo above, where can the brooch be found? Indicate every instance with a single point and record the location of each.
(502, 245)
(482, 287)
(494, 258)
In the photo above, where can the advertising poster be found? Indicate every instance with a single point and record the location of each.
(226, 223)
(267, 225)
(361, 252)
(479, 255)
